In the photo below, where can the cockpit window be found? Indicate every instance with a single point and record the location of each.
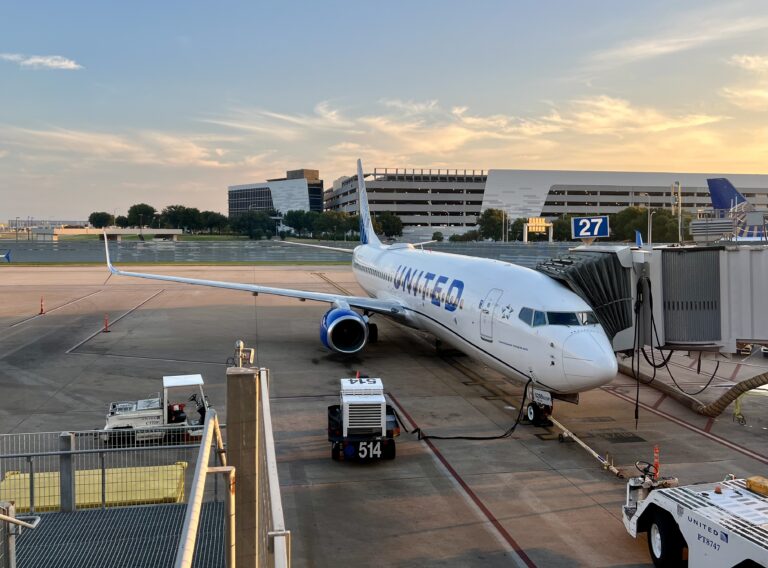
(571, 318)
(587, 318)
(536, 318)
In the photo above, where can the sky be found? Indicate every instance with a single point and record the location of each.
(107, 104)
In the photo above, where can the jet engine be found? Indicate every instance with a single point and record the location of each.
(343, 330)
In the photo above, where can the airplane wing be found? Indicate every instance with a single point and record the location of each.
(386, 307)
(336, 249)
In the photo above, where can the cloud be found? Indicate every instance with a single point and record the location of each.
(609, 115)
(748, 98)
(140, 147)
(598, 132)
(684, 36)
(411, 107)
(754, 63)
(752, 95)
(41, 61)
(425, 132)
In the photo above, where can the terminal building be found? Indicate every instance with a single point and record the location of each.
(452, 200)
(299, 190)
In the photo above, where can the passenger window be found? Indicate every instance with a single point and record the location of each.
(539, 318)
(526, 314)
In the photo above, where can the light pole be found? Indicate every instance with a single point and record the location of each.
(17, 229)
(650, 214)
(650, 228)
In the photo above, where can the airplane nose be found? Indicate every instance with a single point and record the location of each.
(588, 360)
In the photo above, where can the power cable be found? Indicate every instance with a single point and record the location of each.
(637, 349)
(506, 434)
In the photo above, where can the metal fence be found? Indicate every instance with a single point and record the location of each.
(64, 471)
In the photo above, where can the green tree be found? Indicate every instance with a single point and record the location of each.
(437, 236)
(182, 217)
(330, 224)
(472, 235)
(255, 224)
(353, 224)
(140, 214)
(391, 225)
(101, 219)
(625, 222)
(121, 221)
(295, 220)
(561, 229)
(516, 229)
(491, 224)
(214, 221)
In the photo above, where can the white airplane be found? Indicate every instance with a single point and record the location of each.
(517, 321)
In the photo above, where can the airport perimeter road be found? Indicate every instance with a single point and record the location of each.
(527, 500)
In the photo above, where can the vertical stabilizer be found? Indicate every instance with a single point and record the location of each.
(723, 194)
(7, 256)
(367, 235)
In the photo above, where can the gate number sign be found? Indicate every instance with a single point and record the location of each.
(589, 227)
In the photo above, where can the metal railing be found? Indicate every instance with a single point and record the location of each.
(274, 535)
(5, 553)
(186, 550)
(272, 540)
(10, 528)
(64, 471)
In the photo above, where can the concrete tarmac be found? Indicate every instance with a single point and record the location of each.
(526, 500)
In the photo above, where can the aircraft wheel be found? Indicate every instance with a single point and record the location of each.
(532, 412)
(665, 543)
(335, 451)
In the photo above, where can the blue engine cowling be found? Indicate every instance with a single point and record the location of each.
(343, 331)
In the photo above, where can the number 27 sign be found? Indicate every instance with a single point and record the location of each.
(589, 227)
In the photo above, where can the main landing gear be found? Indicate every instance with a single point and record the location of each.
(538, 414)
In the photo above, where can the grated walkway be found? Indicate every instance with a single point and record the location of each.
(129, 537)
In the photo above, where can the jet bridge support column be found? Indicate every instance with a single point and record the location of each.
(243, 435)
(66, 472)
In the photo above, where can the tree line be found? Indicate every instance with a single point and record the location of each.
(623, 224)
(332, 225)
(254, 224)
(171, 217)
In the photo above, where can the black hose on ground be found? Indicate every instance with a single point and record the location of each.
(422, 436)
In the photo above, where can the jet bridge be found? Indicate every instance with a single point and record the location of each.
(704, 298)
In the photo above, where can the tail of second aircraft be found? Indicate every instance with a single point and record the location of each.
(724, 196)
(367, 234)
(7, 256)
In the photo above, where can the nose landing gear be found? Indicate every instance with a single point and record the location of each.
(538, 414)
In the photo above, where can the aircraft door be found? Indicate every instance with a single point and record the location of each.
(487, 312)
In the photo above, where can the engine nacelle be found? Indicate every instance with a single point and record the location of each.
(343, 331)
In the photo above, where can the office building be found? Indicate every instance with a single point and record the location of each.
(299, 190)
(452, 200)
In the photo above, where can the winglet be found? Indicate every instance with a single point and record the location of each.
(367, 234)
(638, 239)
(111, 268)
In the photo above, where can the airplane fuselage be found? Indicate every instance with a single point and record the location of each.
(476, 304)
